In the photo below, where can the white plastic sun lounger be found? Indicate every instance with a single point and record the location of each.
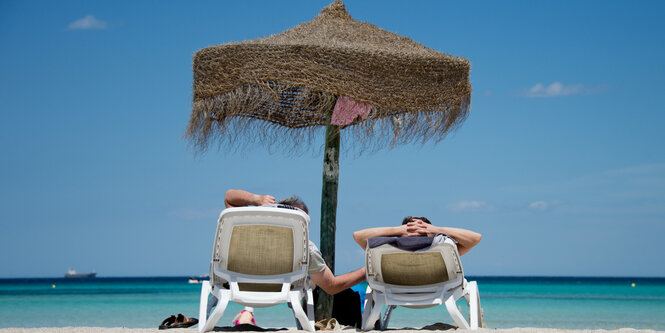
(419, 279)
(259, 259)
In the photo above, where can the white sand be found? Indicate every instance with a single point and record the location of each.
(192, 330)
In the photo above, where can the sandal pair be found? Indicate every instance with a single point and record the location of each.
(329, 324)
(179, 321)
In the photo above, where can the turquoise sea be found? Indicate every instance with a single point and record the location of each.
(558, 302)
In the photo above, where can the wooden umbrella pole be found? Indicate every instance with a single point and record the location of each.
(329, 211)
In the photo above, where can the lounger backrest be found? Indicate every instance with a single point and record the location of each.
(261, 241)
(413, 269)
(261, 250)
(439, 264)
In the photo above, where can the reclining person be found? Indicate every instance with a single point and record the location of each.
(420, 226)
(318, 271)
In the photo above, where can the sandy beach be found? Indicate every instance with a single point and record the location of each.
(155, 330)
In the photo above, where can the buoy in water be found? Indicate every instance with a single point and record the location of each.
(52, 286)
(632, 284)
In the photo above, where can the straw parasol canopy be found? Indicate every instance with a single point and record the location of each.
(277, 90)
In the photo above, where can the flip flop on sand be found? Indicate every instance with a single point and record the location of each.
(166, 323)
(184, 322)
(178, 322)
(329, 324)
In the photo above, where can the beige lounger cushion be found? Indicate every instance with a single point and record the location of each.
(261, 250)
(413, 269)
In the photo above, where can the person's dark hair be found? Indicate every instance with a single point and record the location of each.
(410, 219)
(295, 202)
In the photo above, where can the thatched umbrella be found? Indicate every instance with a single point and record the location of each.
(377, 88)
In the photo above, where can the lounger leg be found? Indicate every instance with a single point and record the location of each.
(224, 296)
(374, 314)
(477, 310)
(386, 317)
(203, 305)
(457, 316)
(474, 305)
(367, 307)
(298, 312)
(310, 306)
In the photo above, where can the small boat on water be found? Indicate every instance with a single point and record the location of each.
(71, 273)
(200, 279)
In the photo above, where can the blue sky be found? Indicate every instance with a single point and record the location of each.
(560, 164)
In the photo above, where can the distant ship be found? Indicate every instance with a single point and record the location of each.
(71, 273)
(200, 279)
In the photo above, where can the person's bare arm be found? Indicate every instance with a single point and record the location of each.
(333, 284)
(240, 198)
(361, 236)
(466, 239)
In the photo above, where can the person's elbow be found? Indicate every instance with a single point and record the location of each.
(228, 196)
(357, 236)
(331, 287)
(325, 280)
(476, 239)
(331, 290)
(470, 241)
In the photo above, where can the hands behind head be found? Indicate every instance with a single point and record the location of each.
(417, 228)
(264, 199)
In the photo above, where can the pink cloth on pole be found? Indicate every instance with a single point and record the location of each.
(346, 110)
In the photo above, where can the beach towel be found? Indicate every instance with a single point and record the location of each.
(246, 328)
(408, 243)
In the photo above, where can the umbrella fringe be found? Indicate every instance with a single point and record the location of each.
(286, 118)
